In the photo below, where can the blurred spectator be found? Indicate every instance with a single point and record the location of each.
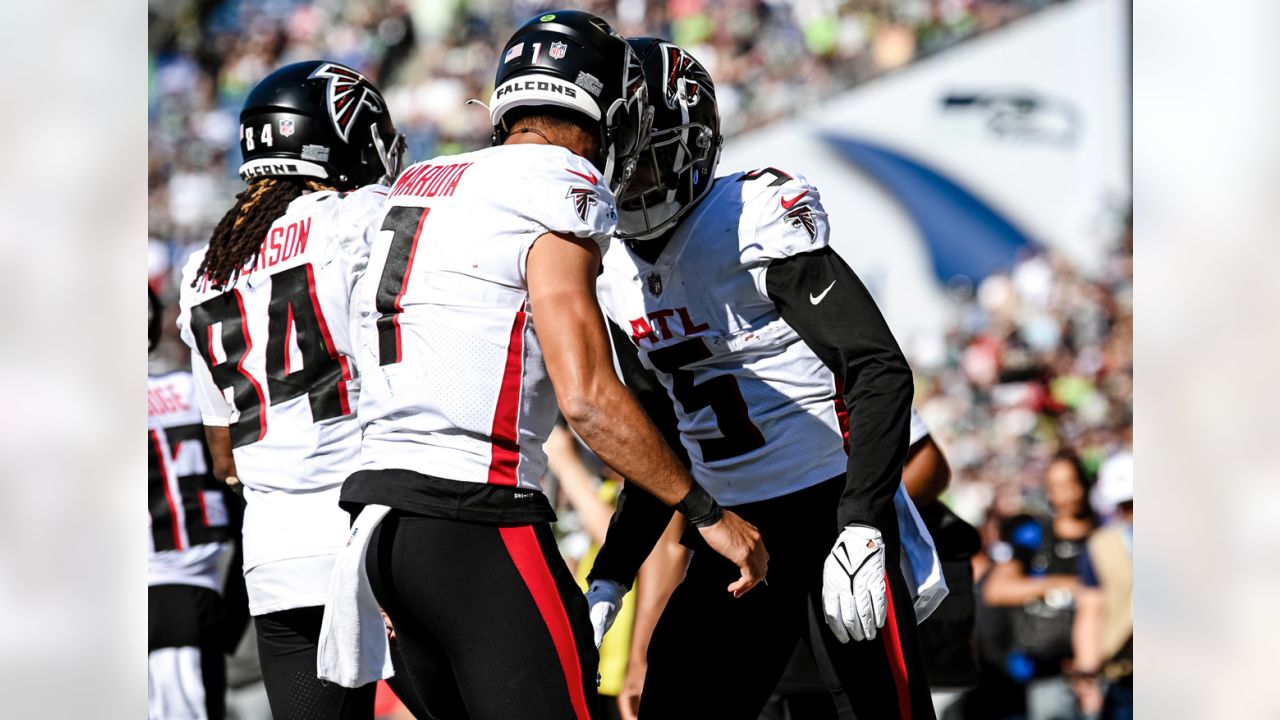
(1103, 633)
(1036, 573)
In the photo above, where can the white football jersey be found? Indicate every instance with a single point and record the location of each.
(189, 521)
(744, 383)
(454, 384)
(273, 361)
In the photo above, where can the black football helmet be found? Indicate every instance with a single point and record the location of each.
(323, 120)
(574, 60)
(677, 167)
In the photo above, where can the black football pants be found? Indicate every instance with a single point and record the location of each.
(714, 656)
(287, 642)
(187, 672)
(489, 622)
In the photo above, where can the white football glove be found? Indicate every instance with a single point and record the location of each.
(604, 598)
(854, 596)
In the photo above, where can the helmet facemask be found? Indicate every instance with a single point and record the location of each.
(678, 161)
(391, 157)
(626, 128)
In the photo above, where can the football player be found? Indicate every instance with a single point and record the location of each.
(761, 355)
(188, 541)
(478, 317)
(264, 308)
(190, 530)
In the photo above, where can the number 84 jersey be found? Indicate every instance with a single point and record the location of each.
(758, 413)
(272, 353)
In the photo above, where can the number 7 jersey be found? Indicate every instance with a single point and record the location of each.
(454, 382)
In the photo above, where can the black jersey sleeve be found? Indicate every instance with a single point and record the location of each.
(825, 302)
(640, 518)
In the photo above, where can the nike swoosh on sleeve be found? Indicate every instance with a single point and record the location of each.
(590, 178)
(786, 204)
(815, 299)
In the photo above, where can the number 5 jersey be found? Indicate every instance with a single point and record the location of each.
(273, 362)
(700, 318)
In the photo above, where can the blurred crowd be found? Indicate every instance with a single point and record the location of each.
(1040, 360)
(769, 58)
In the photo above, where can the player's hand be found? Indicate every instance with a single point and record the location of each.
(854, 593)
(604, 599)
(632, 688)
(391, 631)
(739, 541)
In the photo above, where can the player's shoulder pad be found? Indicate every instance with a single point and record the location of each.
(560, 191)
(344, 213)
(782, 215)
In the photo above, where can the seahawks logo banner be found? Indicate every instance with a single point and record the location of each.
(347, 93)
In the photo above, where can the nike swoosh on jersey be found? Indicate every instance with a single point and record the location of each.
(815, 299)
(786, 204)
(589, 178)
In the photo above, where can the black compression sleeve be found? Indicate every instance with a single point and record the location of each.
(845, 329)
(640, 518)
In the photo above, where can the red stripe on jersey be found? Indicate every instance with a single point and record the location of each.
(204, 509)
(248, 346)
(842, 412)
(526, 553)
(506, 416)
(168, 491)
(328, 342)
(404, 282)
(288, 346)
(897, 662)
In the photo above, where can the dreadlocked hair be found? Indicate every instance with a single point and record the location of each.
(241, 231)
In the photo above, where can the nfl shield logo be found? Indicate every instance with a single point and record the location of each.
(286, 127)
(655, 284)
(557, 50)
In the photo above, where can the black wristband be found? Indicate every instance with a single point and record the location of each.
(699, 508)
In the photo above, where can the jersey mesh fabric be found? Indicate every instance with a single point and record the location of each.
(469, 399)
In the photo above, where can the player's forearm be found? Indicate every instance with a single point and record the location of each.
(926, 473)
(218, 439)
(658, 578)
(638, 522)
(610, 421)
(846, 330)
(879, 427)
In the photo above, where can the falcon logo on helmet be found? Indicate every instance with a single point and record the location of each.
(348, 93)
(583, 199)
(680, 85)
